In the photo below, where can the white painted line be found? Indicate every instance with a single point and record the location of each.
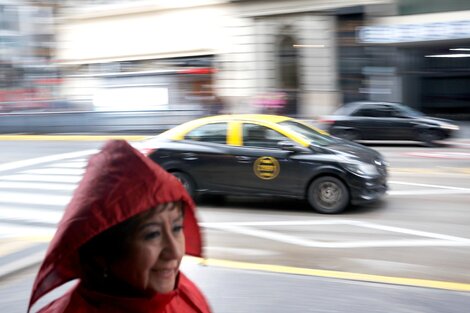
(441, 155)
(241, 251)
(278, 223)
(33, 198)
(407, 231)
(55, 171)
(49, 158)
(445, 190)
(80, 164)
(267, 235)
(30, 215)
(275, 236)
(437, 239)
(428, 185)
(42, 178)
(38, 186)
(78, 160)
(13, 231)
(427, 192)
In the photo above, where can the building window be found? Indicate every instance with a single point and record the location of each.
(287, 57)
(8, 18)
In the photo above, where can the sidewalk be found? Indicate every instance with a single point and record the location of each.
(238, 290)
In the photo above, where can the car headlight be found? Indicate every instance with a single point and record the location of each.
(362, 169)
(450, 126)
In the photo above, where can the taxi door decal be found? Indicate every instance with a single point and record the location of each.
(266, 167)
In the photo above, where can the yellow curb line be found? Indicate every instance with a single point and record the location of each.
(71, 137)
(412, 282)
(336, 274)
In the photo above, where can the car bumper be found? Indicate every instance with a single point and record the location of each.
(367, 191)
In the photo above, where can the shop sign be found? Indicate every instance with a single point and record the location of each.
(414, 32)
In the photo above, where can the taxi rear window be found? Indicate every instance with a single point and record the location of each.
(214, 133)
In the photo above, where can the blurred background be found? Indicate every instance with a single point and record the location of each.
(214, 56)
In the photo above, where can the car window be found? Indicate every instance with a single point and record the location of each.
(375, 111)
(255, 135)
(407, 111)
(215, 132)
(309, 133)
(368, 112)
(384, 111)
(394, 112)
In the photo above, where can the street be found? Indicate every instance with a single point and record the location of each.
(368, 258)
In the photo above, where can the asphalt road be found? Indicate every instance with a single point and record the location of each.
(417, 236)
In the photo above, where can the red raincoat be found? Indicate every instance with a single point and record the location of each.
(119, 183)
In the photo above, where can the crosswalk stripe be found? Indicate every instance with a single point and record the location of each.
(33, 198)
(80, 164)
(38, 186)
(55, 171)
(42, 178)
(12, 231)
(30, 215)
(49, 158)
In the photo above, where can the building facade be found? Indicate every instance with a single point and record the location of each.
(27, 47)
(257, 49)
(420, 55)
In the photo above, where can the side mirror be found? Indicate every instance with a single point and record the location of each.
(292, 147)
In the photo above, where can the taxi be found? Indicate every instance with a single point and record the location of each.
(269, 155)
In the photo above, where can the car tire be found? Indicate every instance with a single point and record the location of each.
(328, 195)
(187, 182)
(429, 137)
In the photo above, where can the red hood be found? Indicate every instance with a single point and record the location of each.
(119, 182)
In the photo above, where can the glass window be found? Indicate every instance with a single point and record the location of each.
(9, 18)
(375, 111)
(368, 112)
(309, 133)
(406, 7)
(260, 136)
(216, 133)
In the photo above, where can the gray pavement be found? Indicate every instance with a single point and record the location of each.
(235, 290)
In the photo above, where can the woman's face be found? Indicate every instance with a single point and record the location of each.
(154, 252)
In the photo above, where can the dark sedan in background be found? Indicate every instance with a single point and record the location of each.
(386, 121)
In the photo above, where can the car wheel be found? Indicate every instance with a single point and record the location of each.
(429, 136)
(328, 195)
(187, 182)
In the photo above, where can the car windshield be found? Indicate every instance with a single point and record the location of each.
(315, 136)
(346, 109)
(407, 111)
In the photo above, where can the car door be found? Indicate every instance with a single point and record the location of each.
(377, 122)
(204, 155)
(404, 125)
(261, 166)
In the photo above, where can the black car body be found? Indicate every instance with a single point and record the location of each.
(386, 121)
(265, 155)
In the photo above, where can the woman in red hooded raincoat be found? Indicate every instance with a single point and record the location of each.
(123, 236)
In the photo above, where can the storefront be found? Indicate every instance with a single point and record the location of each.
(420, 62)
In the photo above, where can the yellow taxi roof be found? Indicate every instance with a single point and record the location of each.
(246, 117)
(178, 130)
